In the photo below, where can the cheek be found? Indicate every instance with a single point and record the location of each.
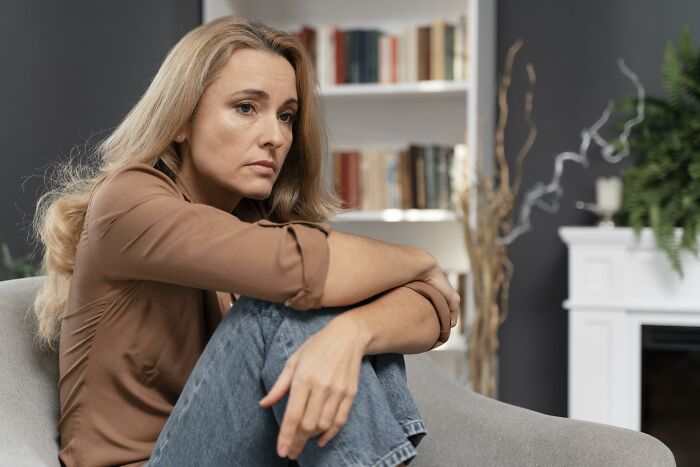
(217, 137)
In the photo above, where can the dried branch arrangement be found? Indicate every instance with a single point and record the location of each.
(493, 207)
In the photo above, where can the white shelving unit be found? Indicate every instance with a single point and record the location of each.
(424, 112)
(399, 215)
(412, 90)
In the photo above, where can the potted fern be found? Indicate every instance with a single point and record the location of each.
(662, 189)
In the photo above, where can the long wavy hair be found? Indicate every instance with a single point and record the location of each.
(146, 135)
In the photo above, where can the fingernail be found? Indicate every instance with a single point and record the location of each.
(283, 451)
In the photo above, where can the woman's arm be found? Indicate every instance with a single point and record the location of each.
(138, 227)
(361, 267)
(400, 320)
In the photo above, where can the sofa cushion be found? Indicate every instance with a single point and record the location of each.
(29, 405)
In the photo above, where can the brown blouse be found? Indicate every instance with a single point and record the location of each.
(154, 273)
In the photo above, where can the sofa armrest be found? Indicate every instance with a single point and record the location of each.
(468, 429)
(29, 405)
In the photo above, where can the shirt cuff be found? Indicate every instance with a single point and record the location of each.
(441, 308)
(311, 239)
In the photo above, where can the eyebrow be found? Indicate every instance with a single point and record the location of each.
(263, 95)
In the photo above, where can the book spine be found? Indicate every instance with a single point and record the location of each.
(377, 175)
(464, 26)
(339, 56)
(395, 182)
(437, 49)
(430, 201)
(345, 179)
(423, 53)
(421, 202)
(449, 161)
(365, 180)
(337, 166)
(354, 177)
(406, 183)
(385, 59)
(350, 65)
(372, 56)
(449, 51)
(443, 194)
(361, 57)
(412, 54)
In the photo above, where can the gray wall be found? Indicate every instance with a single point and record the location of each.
(573, 47)
(71, 71)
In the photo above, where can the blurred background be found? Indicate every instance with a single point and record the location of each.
(72, 70)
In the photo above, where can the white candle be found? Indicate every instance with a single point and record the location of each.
(608, 193)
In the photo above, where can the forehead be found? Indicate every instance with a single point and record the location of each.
(249, 68)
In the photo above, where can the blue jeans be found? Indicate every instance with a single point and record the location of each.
(217, 420)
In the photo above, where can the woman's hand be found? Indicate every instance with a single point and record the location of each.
(323, 376)
(437, 279)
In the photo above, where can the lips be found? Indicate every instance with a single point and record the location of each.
(264, 163)
(263, 167)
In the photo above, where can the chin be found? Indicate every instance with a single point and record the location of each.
(259, 194)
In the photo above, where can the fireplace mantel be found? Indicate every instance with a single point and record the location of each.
(616, 285)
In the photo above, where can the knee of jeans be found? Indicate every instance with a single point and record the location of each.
(281, 310)
(259, 307)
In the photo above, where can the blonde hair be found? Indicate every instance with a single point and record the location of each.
(146, 135)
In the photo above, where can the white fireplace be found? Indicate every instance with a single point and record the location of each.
(616, 286)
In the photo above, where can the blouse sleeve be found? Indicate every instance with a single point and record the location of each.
(441, 308)
(140, 228)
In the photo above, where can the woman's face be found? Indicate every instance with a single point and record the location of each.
(245, 115)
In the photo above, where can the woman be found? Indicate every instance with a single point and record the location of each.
(210, 192)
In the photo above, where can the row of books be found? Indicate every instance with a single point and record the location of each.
(435, 51)
(419, 176)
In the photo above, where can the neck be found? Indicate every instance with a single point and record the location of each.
(202, 191)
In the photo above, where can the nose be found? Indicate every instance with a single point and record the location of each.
(273, 132)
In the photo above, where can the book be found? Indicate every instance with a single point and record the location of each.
(430, 179)
(449, 51)
(418, 156)
(406, 178)
(442, 176)
(424, 53)
(437, 49)
(339, 56)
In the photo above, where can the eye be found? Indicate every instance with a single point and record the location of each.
(243, 107)
(290, 117)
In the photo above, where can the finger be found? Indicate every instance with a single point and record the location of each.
(309, 421)
(340, 418)
(280, 388)
(314, 408)
(292, 417)
(325, 422)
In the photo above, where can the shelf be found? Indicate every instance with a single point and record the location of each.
(398, 215)
(419, 88)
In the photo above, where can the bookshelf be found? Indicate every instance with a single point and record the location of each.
(456, 89)
(391, 115)
(400, 215)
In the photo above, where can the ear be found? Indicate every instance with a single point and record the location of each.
(183, 133)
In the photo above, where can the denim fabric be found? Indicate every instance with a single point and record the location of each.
(217, 420)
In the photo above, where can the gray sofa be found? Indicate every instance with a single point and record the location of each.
(465, 428)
